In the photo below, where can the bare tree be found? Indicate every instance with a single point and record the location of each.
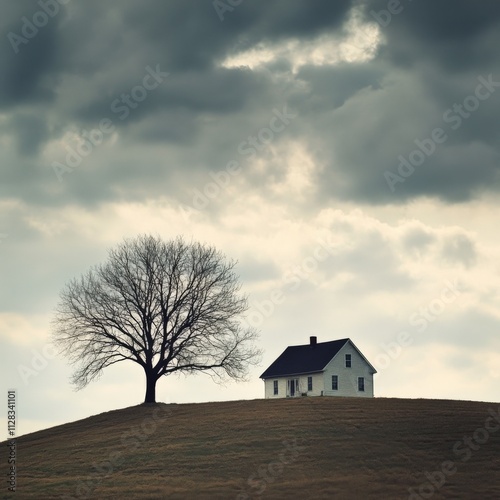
(168, 306)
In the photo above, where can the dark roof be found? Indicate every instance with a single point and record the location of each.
(304, 359)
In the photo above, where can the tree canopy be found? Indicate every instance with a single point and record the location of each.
(168, 306)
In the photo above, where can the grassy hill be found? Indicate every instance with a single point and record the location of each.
(307, 448)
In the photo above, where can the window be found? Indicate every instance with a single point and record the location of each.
(348, 361)
(309, 383)
(335, 382)
(361, 384)
(275, 384)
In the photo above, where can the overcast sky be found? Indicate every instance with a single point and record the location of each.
(347, 156)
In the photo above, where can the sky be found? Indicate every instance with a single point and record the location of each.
(346, 154)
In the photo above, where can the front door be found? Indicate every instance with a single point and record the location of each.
(293, 387)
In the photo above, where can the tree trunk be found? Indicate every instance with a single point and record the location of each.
(150, 388)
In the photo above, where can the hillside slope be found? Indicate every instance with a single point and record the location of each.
(292, 448)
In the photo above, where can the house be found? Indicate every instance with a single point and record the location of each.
(336, 368)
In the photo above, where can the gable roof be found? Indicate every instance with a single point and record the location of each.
(299, 359)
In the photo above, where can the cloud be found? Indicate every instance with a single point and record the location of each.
(356, 115)
(459, 248)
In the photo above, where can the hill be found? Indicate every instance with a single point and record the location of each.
(305, 448)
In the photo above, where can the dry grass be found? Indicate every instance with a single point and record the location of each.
(338, 448)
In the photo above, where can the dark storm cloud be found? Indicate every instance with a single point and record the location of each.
(454, 34)
(186, 38)
(192, 35)
(26, 77)
(434, 55)
(30, 130)
(331, 87)
(83, 65)
(218, 91)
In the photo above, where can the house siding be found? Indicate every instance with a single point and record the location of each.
(318, 385)
(348, 377)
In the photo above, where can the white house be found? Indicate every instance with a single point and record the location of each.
(336, 368)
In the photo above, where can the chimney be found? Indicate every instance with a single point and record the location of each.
(313, 341)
